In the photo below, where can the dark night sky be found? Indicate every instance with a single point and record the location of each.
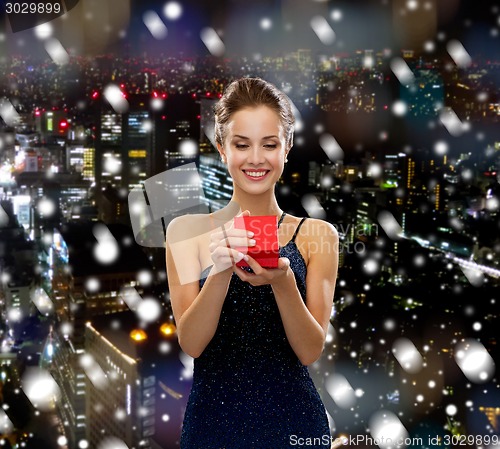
(364, 24)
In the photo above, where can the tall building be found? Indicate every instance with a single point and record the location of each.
(124, 145)
(493, 414)
(437, 197)
(79, 159)
(370, 200)
(352, 173)
(135, 394)
(136, 145)
(82, 288)
(394, 170)
(178, 136)
(52, 124)
(216, 183)
(70, 378)
(313, 175)
(88, 165)
(410, 172)
(17, 262)
(157, 132)
(50, 197)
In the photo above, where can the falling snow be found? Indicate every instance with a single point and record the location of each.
(43, 31)
(106, 251)
(212, 41)
(116, 99)
(458, 53)
(407, 355)
(155, 25)
(173, 10)
(402, 71)
(8, 112)
(56, 51)
(40, 388)
(474, 361)
(331, 147)
(412, 337)
(323, 30)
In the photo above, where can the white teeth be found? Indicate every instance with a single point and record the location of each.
(255, 174)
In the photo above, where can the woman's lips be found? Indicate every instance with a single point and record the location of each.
(256, 175)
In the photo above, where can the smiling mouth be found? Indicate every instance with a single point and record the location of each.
(256, 174)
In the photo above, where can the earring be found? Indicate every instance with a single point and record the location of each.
(286, 160)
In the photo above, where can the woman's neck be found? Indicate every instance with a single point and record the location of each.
(264, 204)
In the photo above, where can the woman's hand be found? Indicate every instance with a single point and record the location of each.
(264, 276)
(229, 245)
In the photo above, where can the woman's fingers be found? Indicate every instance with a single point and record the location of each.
(261, 275)
(240, 244)
(228, 245)
(283, 263)
(233, 238)
(254, 265)
(229, 232)
(226, 256)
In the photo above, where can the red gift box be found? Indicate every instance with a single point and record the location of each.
(266, 248)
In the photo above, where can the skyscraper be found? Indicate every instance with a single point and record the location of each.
(216, 183)
(156, 133)
(136, 393)
(84, 287)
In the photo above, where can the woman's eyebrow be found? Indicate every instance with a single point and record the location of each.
(248, 138)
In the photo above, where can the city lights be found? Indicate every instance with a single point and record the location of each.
(107, 134)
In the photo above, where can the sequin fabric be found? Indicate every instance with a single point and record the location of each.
(249, 390)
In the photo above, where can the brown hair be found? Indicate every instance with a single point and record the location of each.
(253, 92)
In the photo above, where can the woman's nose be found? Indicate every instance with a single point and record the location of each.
(255, 156)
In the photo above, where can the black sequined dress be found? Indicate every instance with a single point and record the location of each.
(249, 390)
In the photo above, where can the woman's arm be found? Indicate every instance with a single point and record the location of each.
(197, 312)
(305, 324)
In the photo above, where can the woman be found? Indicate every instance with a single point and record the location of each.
(252, 331)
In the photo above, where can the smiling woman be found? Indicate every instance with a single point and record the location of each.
(252, 330)
(254, 151)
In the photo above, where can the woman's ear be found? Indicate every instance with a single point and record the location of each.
(222, 153)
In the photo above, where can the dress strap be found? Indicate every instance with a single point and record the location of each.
(281, 219)
(297, 230)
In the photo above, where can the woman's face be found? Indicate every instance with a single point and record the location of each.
(254, 149)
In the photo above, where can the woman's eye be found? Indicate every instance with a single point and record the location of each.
(241, 146)
(270, 146)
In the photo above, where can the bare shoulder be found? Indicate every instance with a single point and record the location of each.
(184, 234)
(315, 239)
(190, 226)
(320, 228)
(187, 227)
(321, 238)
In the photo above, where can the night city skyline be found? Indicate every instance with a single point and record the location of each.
(397, 144)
